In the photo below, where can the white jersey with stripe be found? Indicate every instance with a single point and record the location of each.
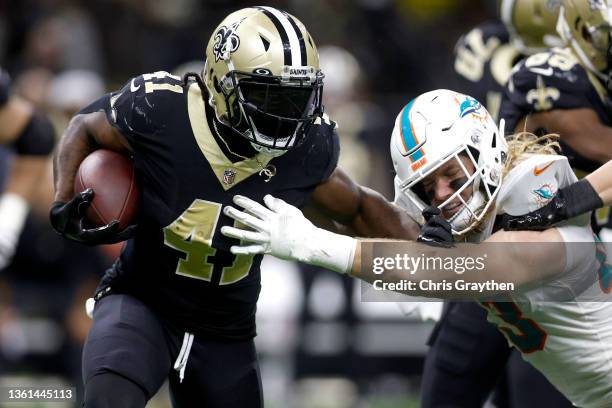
(569, 341)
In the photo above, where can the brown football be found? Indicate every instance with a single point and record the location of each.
(116, 195)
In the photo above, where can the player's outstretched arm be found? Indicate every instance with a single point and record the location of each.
(281, 230)
(85, 133)
(601, 180)
(588, 194)
(538, 256)
(366, 211)
(581, 129)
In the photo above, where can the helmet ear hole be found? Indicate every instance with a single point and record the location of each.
(266, 43)
(234, 111)
(586, 35)
(216, 85)
(475, 153)
(420, 192)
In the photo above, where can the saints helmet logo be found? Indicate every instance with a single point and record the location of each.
(226, 41)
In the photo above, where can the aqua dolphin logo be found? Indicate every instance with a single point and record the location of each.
(544, 194)
(470, 105)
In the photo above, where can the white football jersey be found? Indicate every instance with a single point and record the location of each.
(570, 341)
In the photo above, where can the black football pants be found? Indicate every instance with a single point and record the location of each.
(130, 352)
(467, 358)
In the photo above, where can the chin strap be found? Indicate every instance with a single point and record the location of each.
(466, 217)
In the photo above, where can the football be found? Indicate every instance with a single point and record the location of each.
(116, 195)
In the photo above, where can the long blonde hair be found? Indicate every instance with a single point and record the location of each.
(524, 144)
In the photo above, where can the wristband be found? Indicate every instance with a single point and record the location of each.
(581, 197)
(337, 253)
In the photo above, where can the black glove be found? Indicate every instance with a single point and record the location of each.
(436, 231)
(569, 202)
(68, 220)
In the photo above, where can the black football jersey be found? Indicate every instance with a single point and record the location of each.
(556, 80)
(178, 262)
(484, 58)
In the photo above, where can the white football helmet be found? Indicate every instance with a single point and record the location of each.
(439, 126)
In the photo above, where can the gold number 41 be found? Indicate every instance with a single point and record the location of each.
(192, 234)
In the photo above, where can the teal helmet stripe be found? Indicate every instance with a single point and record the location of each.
(408, 137)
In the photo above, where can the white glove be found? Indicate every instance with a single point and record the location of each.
(282, 230)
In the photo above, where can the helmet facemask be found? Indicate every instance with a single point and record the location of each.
(588, 30)
(472, 209)
(273, 112)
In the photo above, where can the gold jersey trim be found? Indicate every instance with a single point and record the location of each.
(210, 149)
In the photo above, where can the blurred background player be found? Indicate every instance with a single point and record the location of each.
(563, 91)
(468, 355)
(31, 137)
(484, 57)
(43, 326)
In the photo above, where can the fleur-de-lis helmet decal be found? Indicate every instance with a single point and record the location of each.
(226, 41)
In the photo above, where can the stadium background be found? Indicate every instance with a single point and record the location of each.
(319, 345)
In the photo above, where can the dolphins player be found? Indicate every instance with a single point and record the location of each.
(449, 153)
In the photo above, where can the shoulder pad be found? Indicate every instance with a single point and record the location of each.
(549, 80)
(533, 182)
(320, 150)
(138, 106)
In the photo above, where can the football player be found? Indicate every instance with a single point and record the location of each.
(563, 91)
(178, 304)
(484, 57)
(454, 373)
(31, 137)
(466, 170)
